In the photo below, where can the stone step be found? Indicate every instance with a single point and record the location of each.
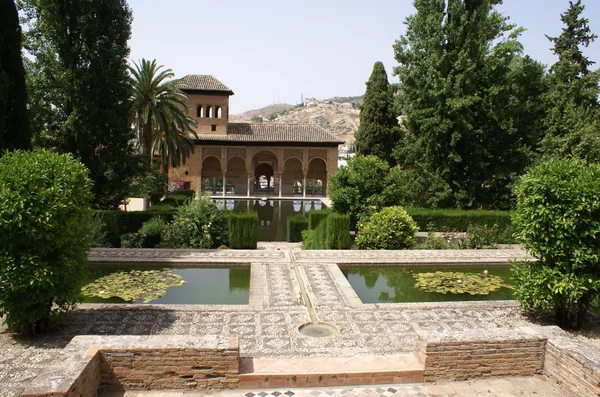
(260, 373)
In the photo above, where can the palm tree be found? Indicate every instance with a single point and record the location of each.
(159, 114)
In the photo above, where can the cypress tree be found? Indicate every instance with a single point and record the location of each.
(14, 121)
(573, 112)
(378, 128)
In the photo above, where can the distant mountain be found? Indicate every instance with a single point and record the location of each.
(339, 115)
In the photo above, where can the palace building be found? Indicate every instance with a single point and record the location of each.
(243, 159)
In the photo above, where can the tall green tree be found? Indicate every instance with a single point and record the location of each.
(159, 114)
(573, 118)
(14, 120)
(462, 88)
(79, 86)
(378, 129)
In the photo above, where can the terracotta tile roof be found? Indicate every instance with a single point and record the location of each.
(266, 132)
(203, 82)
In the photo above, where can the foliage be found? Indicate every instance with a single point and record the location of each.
(152, 230)
(45, 226)
(458, 283)
(573, 117)
(78, 85)
(134, 285)
(243, 230)
(315, 239)
(173, 201)
(198, 224)
(378, 128)
(363, 187)
(257, 119)
(391, 228)
(295, 226)
(458, 220)
(480, 237)
(148, 182)
(120, 222)
(468, 95)
(99, 232)
(132, 240)
(557, 221)
(315, 217)
(14, 121)
(337, 236)
(159, 114)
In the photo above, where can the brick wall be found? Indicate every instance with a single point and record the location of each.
(481, 353)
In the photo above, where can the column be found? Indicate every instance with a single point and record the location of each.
(304, 184)
(280, 182)
(224, 183)
(200, 191)
(249, 181)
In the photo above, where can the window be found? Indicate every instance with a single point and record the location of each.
(213, 127)
(199, 111)
(208, 112)
(218, 112)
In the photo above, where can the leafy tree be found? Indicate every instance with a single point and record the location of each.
(14, 121)
(45, 228)
(464, 87)
(391, 228)
(557, 221)
(79, 85)
(377, 132)
(573, 120)
(160, 115)
(364, 186)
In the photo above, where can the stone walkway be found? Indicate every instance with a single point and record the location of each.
(268, 325)
(497, 387)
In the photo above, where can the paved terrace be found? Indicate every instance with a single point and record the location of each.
(288, 287)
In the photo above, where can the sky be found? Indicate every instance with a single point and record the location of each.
(275, 51)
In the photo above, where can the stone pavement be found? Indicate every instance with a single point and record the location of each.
(267, 327)
(496, 387)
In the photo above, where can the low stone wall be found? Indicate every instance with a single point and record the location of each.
(479, 353)
(156, 362)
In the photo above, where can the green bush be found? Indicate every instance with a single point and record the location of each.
(173, 201)
(152, 230)
(121, 222)
(480, 237)
(315, 239)
(132, 240)
(295, 226)
(99, 234)
(391, 228)
(45, 227)
(337, 236)
(557, 221)
(458, 220)
(316, 216)
(198, 224)
(243, 230)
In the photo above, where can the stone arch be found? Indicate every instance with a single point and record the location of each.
(212, 176)
(292, 177)
(316, 177)
(264, 164)
(236, 179)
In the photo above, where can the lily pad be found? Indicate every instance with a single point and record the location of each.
(458, 283)
(134, 285)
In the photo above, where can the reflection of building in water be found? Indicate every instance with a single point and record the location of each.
(251, 159)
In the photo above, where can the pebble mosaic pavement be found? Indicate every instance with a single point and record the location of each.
(267, 326)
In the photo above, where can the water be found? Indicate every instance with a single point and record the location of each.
(397, 284)
(223, 286)
(272, 214)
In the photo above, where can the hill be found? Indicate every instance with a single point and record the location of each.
(339, 115)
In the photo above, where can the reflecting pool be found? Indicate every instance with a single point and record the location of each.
(272, 214)
(397, 284)
(218, 285)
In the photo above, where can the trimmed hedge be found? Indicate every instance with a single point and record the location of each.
(316, 216)
(295, 225)
(243, 230)
(315, 239)
(337, 236)
(458, 220)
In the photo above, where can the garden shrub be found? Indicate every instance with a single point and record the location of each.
(152, 230)
(557, 221)
(173, 201)
(482, 236)
(121, 222)
(45, 227)
(337, 236)
(243, 230)
(99, 233)
(391, 228)
(315, 239)
(132, 240)
(295, 226)
(458, 220)
(198, 224)
(316, 216)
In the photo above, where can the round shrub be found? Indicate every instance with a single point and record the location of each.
(198, 224)
(45, 227)
(558, 222)
(389, 229)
